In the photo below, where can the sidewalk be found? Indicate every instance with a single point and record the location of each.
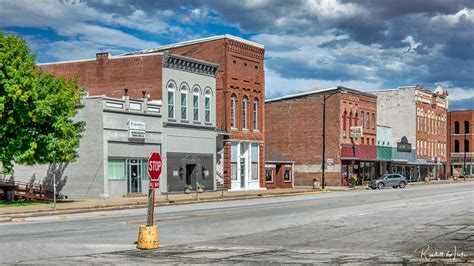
(88, 205)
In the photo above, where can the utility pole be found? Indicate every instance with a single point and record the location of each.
(324, 143)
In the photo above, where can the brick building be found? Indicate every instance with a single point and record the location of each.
(294, 130)
(239, 95)
(460, 143)
(418, 120)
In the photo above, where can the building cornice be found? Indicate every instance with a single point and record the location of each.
(183, 63)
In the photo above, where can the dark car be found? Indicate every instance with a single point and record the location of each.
(394, 180)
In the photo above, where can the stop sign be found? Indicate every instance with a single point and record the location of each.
(154, 166)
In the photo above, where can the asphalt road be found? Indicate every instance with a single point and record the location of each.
(414, 224)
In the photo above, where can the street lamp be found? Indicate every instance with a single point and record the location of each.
(325, 97)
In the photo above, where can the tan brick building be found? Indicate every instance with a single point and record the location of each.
(461, 143)
(418, 119)
(294, 130)
(240, 94)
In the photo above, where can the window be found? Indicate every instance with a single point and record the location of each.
(456, 146)
(254, 158)
(184, 102)
(269, 176)
(244, 113)
(255, 114)
(373, 120)
(456, 127)
(466, 145)
(207, 106)
(233, 160)
(171, 87)
(232, 111)
(116, 170)
(344, 126)
(466, 127)
(362, 119)
(287, 177)
(350, 119)
(367, 125)
(196, 104)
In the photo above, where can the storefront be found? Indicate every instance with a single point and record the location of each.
(278, 170)
(245, 161)
(359, 161)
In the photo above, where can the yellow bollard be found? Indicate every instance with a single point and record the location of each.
(148, 237)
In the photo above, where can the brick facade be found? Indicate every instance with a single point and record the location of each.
(241, 75)
(294, 129)
(109, 76)
(456, 140)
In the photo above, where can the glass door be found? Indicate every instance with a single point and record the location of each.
(134, 175)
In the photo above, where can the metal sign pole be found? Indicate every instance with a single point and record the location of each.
(151, 207)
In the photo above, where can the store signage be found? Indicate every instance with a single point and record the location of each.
(357, 131)
(403, 145)
(136, 134)
(136, 125)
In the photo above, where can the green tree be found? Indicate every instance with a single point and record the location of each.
(37, 110)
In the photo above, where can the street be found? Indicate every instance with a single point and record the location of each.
(415, 224)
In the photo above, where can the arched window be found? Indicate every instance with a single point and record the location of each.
(368, 121)
(255, 114)
(456, 146)
(362, 117)
(196, 104)
(350, 120)
(466, 145)
(207, 105)
(466, 127)
(232, 111)
(373, 120)
(171, 87)
(344, 122)
(456, 127)
(184, 102)
(244, 112)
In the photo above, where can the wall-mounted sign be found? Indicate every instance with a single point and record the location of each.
(136, 134)
(403, 145)
(357, 131)
(136, 125)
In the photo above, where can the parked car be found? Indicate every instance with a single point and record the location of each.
(394, 180)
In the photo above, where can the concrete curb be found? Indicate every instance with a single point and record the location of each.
(12, 216)
(5, 219)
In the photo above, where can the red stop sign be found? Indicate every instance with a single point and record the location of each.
(154, 166)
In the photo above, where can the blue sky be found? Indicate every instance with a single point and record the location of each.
(361, 44)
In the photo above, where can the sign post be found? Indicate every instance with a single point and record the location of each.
(148, 235)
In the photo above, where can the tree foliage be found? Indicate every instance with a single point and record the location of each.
(36, 110)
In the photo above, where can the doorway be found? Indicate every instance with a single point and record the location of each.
(191, 175)
(134, 175)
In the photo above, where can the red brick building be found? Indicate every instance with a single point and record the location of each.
(461, 143)
(294, 129)
(240, 94)
(278, 170)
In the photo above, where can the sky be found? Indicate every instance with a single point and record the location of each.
(309, 44)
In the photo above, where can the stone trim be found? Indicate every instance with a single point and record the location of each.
(188, 64)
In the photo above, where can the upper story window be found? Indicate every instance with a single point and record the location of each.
(456, 127)
(362, 117)
(184, 102)
(456, 146)
(466, 145)
(196, 104)
(373, 120)
(367, 124)
(232, 111)
(466, 127)
(255, 114)
(207, 105)
(244, 112)
(344, 123)
(171, 87)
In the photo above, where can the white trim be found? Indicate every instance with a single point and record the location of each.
(207, 39)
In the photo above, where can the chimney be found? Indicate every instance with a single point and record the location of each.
(104, 55)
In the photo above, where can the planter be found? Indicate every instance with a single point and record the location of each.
(351, 185)
(187, 190)
(200, 190)
(427, 179)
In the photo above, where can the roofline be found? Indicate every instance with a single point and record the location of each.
(466, 110)
(321, 91)
(273, 161)
(207, 39)
(416, 87)
(111, 57)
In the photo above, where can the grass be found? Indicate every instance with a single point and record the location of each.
(21, 203)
